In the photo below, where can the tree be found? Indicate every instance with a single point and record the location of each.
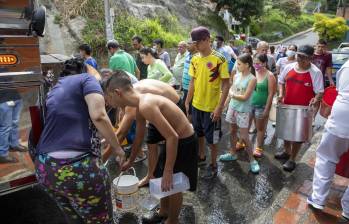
(242, 10)
(289, 8)
(330, 28)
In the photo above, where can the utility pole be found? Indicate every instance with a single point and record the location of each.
(108, 20)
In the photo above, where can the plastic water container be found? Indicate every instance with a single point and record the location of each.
(126, 191)
(180, 183)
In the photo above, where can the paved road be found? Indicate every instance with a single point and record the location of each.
(307, 38)
(235, 196)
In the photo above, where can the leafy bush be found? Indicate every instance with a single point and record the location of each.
(166, 28)
(239, 43)
(330, 28)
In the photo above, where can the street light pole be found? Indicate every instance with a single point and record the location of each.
(108, 21)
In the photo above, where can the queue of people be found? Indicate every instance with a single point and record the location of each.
(143, 91)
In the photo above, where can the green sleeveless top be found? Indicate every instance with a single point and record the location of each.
(239, 87)
(260, 94)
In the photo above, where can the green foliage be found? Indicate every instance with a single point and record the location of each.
(269, 26)
(57, 19)
(239, 43)
(330, 28)
(288, 9)
(167, 28)
(242, 10)
(126, 26)
(215, 21)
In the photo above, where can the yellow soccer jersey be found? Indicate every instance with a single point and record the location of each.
(208, 73)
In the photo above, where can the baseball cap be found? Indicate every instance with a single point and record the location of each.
(199, 33)
(306, 50)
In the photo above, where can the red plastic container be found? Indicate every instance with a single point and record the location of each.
(330, 95)
(342, 168)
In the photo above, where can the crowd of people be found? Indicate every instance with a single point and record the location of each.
(181, 106)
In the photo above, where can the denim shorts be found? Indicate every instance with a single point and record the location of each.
(258, 111)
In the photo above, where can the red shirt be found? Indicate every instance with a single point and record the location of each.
(322, 61)
(299, 88)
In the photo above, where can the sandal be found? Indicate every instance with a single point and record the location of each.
(258, 152)
(240, 146)
(254, 166)
(227, 157)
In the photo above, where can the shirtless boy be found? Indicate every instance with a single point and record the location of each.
(154, 137)
(171, 122)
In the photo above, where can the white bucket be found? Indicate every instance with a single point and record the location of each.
(126, 191)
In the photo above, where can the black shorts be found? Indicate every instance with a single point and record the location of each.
(204, 126)
(154, 136)
(186, 160)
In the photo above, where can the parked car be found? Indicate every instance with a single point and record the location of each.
(253, 41)
(339, 57)
(343, 45)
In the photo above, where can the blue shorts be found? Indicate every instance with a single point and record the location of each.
(131, 135)
(204, 126)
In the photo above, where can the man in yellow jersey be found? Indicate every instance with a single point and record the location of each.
(208, 89)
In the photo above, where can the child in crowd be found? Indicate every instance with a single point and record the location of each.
(262, 99)
(238, 114)
(181, 142)
(209, 89)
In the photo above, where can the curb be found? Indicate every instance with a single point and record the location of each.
(293, 36)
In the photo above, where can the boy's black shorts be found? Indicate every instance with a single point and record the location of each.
(186, 160)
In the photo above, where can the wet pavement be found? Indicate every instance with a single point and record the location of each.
(235, 195)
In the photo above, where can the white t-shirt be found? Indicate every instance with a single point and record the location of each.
(315, 74)
(338, 122)
(282, 62)
(227, 51)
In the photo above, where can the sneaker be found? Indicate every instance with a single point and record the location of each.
(19, 148)
(313, 204)
(8, 159)
(273, 124)
(154, 218)
(254, 167)
(289, 166)
(227, 157)
(202, 162)
(210, 172)
(240, 146)
(258, 152)
(281, 155)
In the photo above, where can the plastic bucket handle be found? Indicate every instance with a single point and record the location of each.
(134, 174)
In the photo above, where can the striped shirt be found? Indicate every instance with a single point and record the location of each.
(186, 77)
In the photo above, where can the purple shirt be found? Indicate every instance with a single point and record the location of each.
(68, 125)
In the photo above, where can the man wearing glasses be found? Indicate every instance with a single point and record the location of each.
(300, 83)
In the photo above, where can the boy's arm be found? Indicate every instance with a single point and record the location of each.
(154, 116)
(140, 132)
(190, 94)
(219, 109)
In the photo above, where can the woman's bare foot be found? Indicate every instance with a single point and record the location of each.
(145, 181)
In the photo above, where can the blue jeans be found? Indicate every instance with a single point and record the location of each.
(9, 119)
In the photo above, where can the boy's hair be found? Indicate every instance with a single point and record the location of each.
(85, 47)
(322, 41)
(112, 44)
(200, 33)
(138, 38)
(220, 38)
(160, 42)
(73, 66)
(118, 80)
